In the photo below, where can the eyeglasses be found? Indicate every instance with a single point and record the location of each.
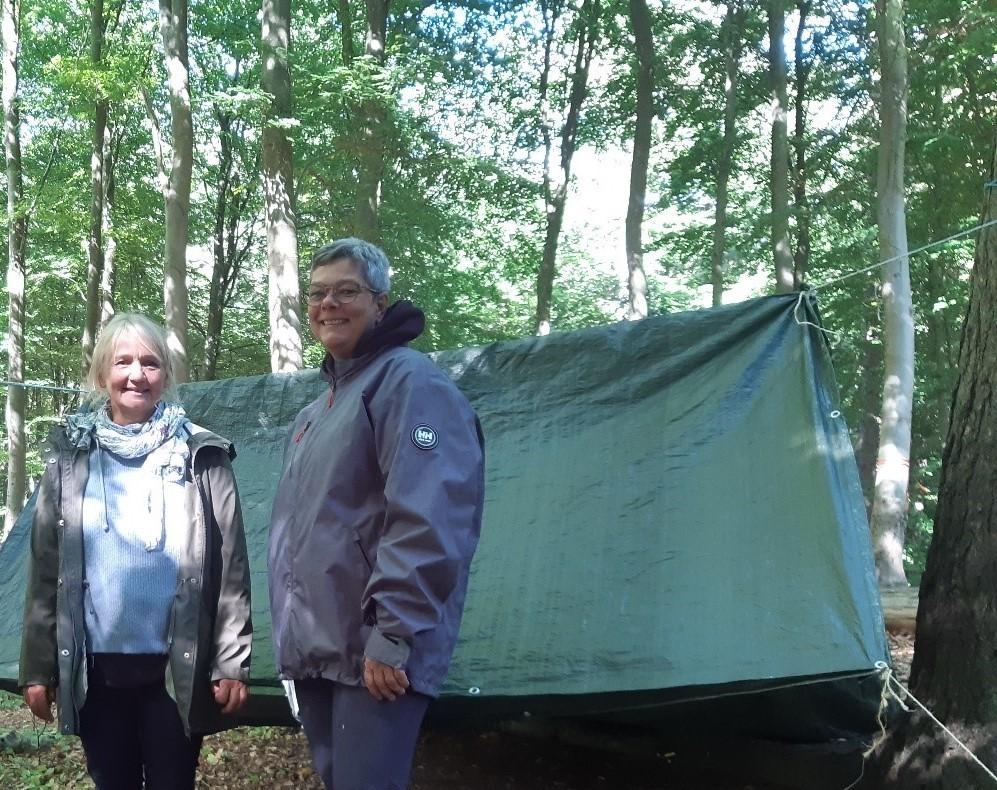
(341, 294)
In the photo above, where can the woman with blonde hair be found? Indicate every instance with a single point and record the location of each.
(137, 615)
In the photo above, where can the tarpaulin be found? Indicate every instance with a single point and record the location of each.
(672, 512)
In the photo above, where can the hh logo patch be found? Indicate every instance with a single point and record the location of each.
(424, 437)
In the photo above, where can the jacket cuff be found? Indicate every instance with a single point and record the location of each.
(220, 673)
(23, 683)
(388, 650)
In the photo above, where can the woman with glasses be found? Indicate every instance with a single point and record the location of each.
(374, 524)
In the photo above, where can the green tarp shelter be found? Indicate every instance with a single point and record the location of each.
(673, 529)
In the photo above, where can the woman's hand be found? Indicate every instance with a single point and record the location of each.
(382, 680)
(40, 698)
(230, 694)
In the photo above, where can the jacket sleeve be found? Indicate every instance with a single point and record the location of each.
(39, 659)
(430, 453)
(233, 633)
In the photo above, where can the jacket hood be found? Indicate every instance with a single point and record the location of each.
(402, 322)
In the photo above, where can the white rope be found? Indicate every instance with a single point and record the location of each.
(893, 679)
(29, 386)
(938, 243)
(796, 316)
(861, 774)
(889, 682)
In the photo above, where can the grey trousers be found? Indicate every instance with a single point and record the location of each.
(356, 741)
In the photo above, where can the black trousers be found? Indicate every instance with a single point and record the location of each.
(133, 738)
(356, 741)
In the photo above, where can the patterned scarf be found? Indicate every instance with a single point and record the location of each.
(161, 440)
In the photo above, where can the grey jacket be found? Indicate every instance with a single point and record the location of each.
(375, 521)
(210, 627)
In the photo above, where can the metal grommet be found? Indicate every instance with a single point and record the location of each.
(474, 691)
(62, 522)
(64, 652)
(193, 580)
(187, 656)
(51, 460)
(835, 414)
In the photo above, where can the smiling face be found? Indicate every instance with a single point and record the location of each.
(134, 380)
(339, 326)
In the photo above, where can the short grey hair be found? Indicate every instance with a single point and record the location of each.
(149, 334)
(367, 257)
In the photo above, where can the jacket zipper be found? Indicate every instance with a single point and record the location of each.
(301, 434)
(202, 535)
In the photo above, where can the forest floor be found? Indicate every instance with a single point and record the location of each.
(277, 757)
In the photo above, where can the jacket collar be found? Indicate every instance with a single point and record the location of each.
(401, 323)
(202, 437)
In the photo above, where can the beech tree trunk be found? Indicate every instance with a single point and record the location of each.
(346, 31)
(640, 20)
(869, 401)
(113, 134)
(801, 253)
(173, 25)
(95, 242)
(107, 283)
(889, 509)
(730, 34)
(556, 181)
(954, 673)
(219, 272)
(232, 237)
(779, 178)
(373, 121)
(278, 190)
(17, 239)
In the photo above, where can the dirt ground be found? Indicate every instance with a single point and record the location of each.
(276, 757)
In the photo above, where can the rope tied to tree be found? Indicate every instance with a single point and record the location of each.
(909, 254)
(891, 687)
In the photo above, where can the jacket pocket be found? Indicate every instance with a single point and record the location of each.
(363, 551)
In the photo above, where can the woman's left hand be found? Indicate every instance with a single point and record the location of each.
(383, 681)
(230, 694)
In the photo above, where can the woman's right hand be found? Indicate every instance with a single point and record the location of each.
(40, 698)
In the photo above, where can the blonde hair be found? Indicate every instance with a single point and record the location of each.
(148, 333)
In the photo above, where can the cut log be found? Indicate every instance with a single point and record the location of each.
(899, 608)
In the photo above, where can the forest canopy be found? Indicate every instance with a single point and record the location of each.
(528, 166)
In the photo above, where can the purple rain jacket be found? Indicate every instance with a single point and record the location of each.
(376, 516)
